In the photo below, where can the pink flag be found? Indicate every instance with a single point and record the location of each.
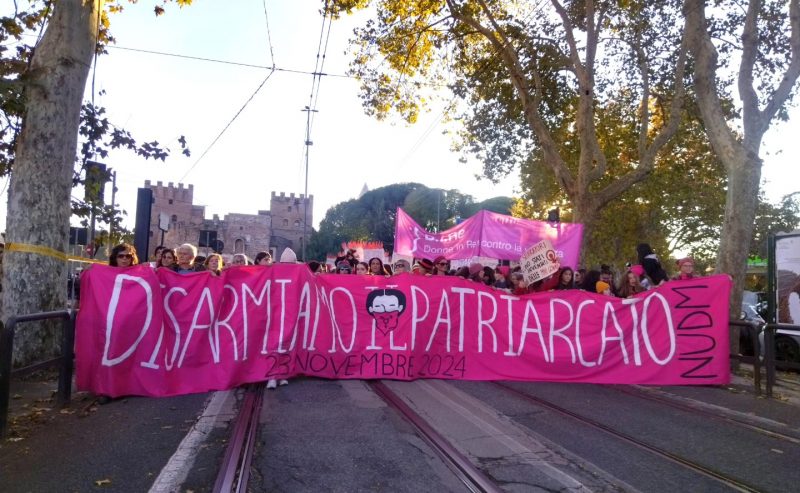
(142, 332)
(487, 234)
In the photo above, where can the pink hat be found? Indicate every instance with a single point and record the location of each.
(474, 268)
(638, 270)
(684, 260)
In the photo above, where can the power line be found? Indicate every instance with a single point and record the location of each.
(269, 36)
(229, 62)
(227, 126)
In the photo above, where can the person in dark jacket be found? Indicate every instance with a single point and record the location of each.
(652, 266)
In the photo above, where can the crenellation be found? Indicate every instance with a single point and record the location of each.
(247, 233)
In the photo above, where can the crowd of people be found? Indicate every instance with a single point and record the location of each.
(637, 278)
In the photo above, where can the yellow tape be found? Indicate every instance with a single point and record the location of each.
(47, 252)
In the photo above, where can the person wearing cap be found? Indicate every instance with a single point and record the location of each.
(685, 269)
(423, 267)
(604, 288)
(287, 257)
(476, 272)
(343, 267)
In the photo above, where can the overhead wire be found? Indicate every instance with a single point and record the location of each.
(222, 132)
(272, 70)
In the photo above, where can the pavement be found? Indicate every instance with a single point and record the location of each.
(36, 422)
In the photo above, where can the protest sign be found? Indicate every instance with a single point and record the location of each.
(142, 332)
(539, 261)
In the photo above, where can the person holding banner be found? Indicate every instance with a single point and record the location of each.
(214, 264)
(565, 279)
(401, 266)
(630, 284)
(376, 267)
(263, 258)
(362, 269)
(123, 255)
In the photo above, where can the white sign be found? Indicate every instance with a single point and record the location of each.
(539, 261)
(163, 221)
(787, 276)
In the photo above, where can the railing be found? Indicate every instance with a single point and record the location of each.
(754, 328)
(767, 359)
(65, 361)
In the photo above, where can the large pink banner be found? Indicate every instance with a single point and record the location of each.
(487, 234)
(142, 332)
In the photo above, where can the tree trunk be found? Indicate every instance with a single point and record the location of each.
(37, 226)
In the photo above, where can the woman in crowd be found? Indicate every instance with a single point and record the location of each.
(343, 267)
(157, 255)
(462, 272)
(651, 264)
(167, 258)
(476, 272)
(401, 266)
(685, 269)
(214, 264)
(422, 267)
(376, 267)
(578, 277)
(518, 287)
(239, 259)
(590, 281)
(488, 276)
(501, 273)
(362, 269)
(185, 263)
(441, 266)
(263, 258)
(123, 255)
(565, 279)
(630, 284)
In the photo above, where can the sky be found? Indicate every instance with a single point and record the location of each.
(159, 97)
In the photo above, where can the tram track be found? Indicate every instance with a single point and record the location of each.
(234, 474)
(729, 481)
(736, 421)
(472, 477)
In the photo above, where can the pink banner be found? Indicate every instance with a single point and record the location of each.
(142, 332)
(487, 234)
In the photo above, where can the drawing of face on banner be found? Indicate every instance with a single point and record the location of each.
(386, 306)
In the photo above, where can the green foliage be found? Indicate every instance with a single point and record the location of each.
(373, 215)
(97, 136)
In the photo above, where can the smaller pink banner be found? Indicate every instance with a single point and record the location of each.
(487, 234)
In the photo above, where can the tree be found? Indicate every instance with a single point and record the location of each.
(768, 41)
(37, 226)
(532, 80)
(50, 89)
(372, 216)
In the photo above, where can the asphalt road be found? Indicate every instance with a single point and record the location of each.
(319, 435)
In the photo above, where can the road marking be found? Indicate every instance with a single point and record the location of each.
(177, 469)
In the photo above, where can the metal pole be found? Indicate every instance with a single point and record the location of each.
(309, 143)
(438, 201)
(113, 204)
